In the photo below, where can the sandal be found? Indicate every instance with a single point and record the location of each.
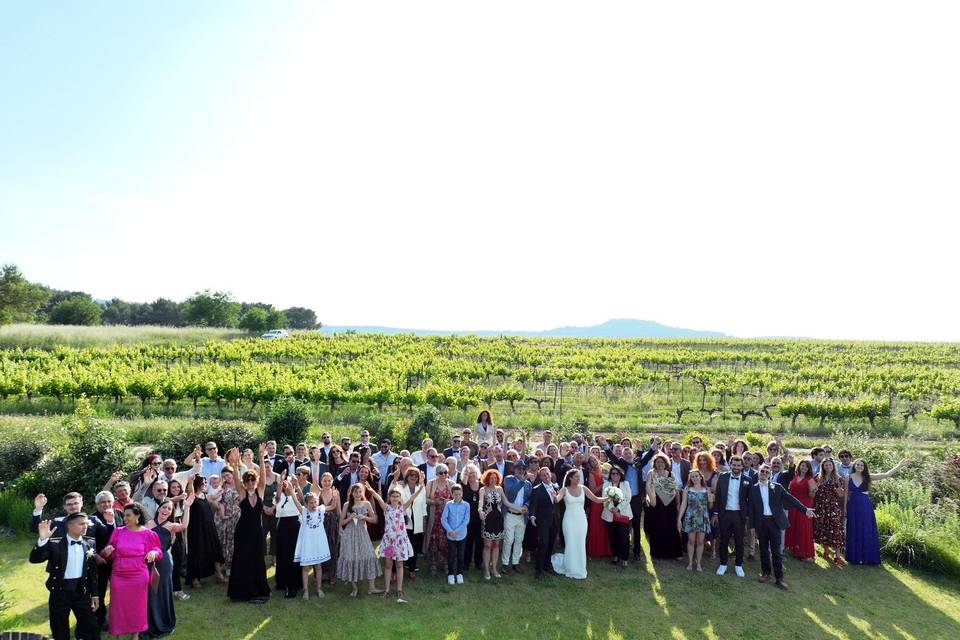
(353, 594)
(180, 595)
(384, 594)
(840, 562)
(320, 594)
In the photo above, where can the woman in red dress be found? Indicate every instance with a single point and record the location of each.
(799, 538)
(598, 539)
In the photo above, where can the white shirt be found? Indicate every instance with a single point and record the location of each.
(431, 471)
(75, 557)
(733, 493)
(765, 495)
(677, 475)
(286, 507)
(418, 457)
(383, 463)
(519, 499)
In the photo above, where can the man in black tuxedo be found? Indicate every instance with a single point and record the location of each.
(730, 513)
(72, 503)
(542, 501)
(767, 503)
(453, 450)
(72, 577)
(325, 448)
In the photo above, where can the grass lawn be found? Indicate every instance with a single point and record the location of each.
(659, 600)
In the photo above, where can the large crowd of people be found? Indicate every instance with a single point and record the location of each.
(363, 513)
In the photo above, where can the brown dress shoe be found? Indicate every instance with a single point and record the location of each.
(782, 585)
(517, 569)
(764, 577)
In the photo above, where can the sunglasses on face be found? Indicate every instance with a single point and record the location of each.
(211, 448)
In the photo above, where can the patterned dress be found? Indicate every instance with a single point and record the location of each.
(437, 549)
(227, 523)
(492, 526)
(828, 525)
(331, 524)
(357, 559)
(696, 518)
(395, 544)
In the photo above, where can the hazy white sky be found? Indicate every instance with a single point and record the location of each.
(755, 168)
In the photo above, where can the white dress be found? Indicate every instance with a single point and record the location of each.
(573, 561)
(312, 546)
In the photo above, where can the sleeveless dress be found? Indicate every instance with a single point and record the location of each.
(799, 538)
(662, 535)
(312, 547)
(573, 561)
(828, 525)
(863, 539)
(696, 518)
(203, 544)
(395, 544)
(161, 617)
(357, 560)
(248, 579)
(598, 540)
(130, 579)
(492, 524)
(227, 523)
(437, 548)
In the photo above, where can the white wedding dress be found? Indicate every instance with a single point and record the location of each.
(573, 561)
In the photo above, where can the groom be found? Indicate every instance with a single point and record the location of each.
(767, 503)
(541, 517)
(72, 578)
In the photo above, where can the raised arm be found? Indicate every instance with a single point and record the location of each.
(194, 456)
(262, 478)
(376, 496)
(892, 472)
(177, 527)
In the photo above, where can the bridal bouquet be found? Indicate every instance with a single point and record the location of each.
(614, 495)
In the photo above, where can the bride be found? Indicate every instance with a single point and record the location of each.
(573, 561)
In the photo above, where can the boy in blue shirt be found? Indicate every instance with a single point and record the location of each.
(455, 518)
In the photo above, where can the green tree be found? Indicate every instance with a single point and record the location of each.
(301, 318)
(211, 309)
(79, 309)
(256, 320)
(19, 298)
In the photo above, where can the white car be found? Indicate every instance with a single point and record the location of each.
(274, 334)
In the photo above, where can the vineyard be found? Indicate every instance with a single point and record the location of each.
(674, 381)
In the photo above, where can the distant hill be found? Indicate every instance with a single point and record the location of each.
(609, 329)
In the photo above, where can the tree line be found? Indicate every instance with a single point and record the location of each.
(31, 302)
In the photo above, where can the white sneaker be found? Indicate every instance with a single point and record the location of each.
(450, 579)
(459, 578)
(722, 569)
(739, 570)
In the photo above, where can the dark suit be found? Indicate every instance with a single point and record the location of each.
(343, 484)
(58, 526)
(731, 522)
(541, 509)
(684, 470)
(101, 534)
(69, 595)
(507, 467)
(637, 499)
(769, 527)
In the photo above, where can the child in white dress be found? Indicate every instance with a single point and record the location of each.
(312, 548)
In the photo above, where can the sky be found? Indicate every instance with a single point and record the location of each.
(754, 168)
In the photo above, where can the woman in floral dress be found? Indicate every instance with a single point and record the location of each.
(226, 516)
(828, 528)
(438, 493)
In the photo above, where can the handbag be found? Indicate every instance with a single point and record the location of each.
(154, 577)
(622, 519)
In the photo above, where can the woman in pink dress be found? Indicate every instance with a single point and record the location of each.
(131, 548)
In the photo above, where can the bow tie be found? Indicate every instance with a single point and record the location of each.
(76, 542)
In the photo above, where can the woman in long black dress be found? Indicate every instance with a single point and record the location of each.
(663, 535)
(471, 495)
(161, 617)
(204, 554)
(248, 579)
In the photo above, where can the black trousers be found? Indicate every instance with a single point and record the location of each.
(416, 541)
(619, 534)
(731, 524)
(636, 505)
(269, 526)
(61, 604)
(768, 535)
(544, 543)
(103, 578)
(455, 549)
(474, 545)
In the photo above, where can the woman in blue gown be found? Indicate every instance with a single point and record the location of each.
(863, 540)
